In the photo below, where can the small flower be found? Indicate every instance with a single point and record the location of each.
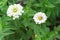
(40, 18)
(14, 11)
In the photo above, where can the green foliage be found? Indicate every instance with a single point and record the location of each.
(25, 28)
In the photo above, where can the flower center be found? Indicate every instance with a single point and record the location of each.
(15, 10)
(40, 17)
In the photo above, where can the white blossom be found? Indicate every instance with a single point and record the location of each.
(14, 11)
(40, 17)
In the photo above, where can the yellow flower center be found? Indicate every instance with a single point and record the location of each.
(15, 10)
(40, 18)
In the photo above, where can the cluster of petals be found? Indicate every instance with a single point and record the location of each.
(15, 11)
(40, 17)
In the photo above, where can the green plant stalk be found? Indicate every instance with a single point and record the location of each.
(1, 32)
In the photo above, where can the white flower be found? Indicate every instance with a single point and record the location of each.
(40, 18)
(14, 11)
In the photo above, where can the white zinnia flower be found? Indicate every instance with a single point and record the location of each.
(40, 18)
(14, 11)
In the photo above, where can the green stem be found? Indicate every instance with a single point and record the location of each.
(1, 29)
